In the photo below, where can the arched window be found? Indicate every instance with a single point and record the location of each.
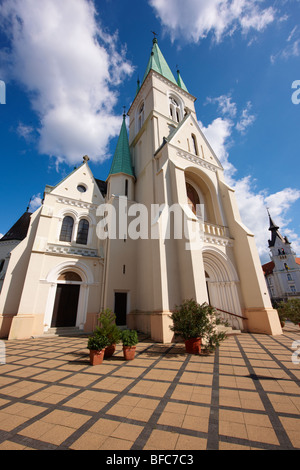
(83, 231)
(66, 229)
(193, 198)
(175, 111)
(2, 262)
(141, 116)
(70, 276)
(195, 145)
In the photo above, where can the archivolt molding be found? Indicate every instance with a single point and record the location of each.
(197, 160)
(80, 268)
(219, 265)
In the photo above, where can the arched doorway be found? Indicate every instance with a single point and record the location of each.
(66, 300)
(221, 282)
(68, 283)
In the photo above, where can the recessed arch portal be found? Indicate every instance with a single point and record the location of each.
(221, 282)
(68, 289)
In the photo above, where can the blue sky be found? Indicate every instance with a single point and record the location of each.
(71, 66)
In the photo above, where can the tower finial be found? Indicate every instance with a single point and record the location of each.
(85, 158)
(154, 38)
(124, 111)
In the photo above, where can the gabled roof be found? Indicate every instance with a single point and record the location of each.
(158, 63)
(122, 158)
(19, 230)
(268, 268)
(177, 129)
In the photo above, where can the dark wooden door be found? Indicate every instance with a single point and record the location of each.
(121, 308)
(65, 306)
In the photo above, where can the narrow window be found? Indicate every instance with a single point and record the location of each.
(174, 110)
(66, 229)
(124, 268)
(126, 187)
(141, 117)
(195, 146)
(83, 231)
(2, 264)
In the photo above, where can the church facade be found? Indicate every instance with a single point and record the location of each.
(97, 244)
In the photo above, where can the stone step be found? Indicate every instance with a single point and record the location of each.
(64, 331)
(228, 330)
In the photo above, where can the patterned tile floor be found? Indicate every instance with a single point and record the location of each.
(244, 396)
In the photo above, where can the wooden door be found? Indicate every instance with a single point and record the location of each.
(65, 306)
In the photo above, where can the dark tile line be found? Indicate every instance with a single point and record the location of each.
(279, 430)
(141, 441)
(282, 366)
(53, 407)
(213, 424)
(102, 413)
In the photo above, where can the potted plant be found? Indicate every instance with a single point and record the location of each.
(129, 340)
(97, 344)
(196, 325)
(107, 326)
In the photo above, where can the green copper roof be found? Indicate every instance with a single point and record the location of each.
(158, 63)
(122, 158)
(180, 82)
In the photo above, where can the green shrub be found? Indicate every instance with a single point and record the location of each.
(194, 320)
(289, 310)
(97, 342)
(107, 326)
(129, 337)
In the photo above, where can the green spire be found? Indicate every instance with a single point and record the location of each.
(180, 82)
(158, 63)
(122, 158)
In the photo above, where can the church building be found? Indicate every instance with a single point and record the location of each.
(75, 261)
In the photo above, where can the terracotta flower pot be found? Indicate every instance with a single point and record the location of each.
(96, 357)
(193, 345)
(109, 350)
(129, 352)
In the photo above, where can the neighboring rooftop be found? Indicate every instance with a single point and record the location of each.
(19, 230)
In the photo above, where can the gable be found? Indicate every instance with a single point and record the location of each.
(189, 137)
(81, 185)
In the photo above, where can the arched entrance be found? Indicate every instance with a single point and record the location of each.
(68, 295)
(221, 282)
(66, 300)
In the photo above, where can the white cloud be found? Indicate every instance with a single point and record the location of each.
(246, 119)
(35, 203)
(1, 235)
(252, 204)
(70, 67)
(196, 19)
(25, 131)
(291, 49)
(225, 105)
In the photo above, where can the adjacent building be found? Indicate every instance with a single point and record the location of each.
(282, 273)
